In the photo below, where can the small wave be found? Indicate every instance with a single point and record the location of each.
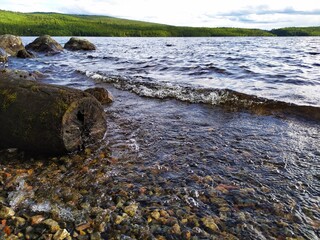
(110, 58)
(314, 53)
(238, 59)
(215, 69)
(229, 99)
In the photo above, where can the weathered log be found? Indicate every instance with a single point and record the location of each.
(49, 119)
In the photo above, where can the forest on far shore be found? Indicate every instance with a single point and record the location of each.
(56, 24)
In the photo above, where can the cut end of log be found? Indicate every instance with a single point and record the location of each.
(83, 123)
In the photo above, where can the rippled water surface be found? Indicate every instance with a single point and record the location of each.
(220, 164)
(285, 69)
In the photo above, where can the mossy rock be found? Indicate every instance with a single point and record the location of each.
(11, 44)
(75, 44)
(45, 44)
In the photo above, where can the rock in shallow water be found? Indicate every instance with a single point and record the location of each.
(101, 94)
(45, 44)
(24, 54)
(75, 44)
(11, 44)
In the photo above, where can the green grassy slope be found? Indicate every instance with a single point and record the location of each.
(34, 24)
(55, 24)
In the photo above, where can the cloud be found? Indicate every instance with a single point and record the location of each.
(264, 10)
(266, 17)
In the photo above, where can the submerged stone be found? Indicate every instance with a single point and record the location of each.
(210, 223)
(52, 225)
(61, 235)
(6, 212)
(131, 209)
(155, 214)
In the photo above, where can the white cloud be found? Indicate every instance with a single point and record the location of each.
(209, 13)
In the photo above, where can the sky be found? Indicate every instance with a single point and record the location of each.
(263, 14)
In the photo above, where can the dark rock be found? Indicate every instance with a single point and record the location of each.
(45, 44)
(11, 44)
(75, 44)
(101, 94)
(24, 54)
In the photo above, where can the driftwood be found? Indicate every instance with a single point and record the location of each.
(49, 119)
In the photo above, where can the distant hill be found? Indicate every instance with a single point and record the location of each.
(56, 24)
(297, 31)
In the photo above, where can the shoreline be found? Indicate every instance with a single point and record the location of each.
(167, 169)
(176, 177)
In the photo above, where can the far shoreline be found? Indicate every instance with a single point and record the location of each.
(57, 24)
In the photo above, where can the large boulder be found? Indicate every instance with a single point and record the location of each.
(3, 56)
(75, 44)
(11, 44)
(45, 44)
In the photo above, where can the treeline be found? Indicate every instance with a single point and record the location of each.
(297, 31)
(35, 24)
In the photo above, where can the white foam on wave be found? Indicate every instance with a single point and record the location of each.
(163, 90)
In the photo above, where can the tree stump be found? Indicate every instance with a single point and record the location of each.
(48, 119)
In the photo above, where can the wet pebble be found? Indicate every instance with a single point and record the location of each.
(36, 219)
(19, 221)
(176, 229)
(52, 225)
(6, 212)
(131, 209)
(209, 222)
(155, 214)
(62, 234)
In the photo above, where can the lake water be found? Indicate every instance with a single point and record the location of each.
(222, 130)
